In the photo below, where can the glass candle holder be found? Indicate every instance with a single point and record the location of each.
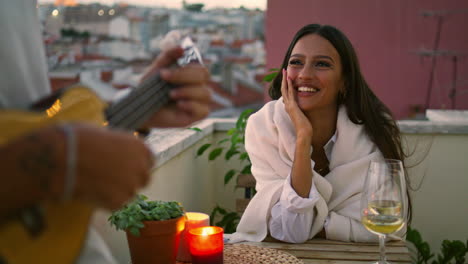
(192, 220)
(206, 245)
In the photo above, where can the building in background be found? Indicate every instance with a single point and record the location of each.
(397, 46)
(109, 46)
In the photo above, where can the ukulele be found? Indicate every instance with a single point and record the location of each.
(66, 223)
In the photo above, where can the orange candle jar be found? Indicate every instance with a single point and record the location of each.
(206, 245)
(192, 220)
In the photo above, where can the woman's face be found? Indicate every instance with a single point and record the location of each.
(315, 70)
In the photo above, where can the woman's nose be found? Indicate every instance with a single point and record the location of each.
(307, 72)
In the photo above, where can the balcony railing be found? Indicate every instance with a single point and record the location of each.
(439, 174)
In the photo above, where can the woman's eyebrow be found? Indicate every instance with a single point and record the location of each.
(315, 57)
(324, 57)
(297, 55)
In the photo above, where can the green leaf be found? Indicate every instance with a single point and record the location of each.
(230, 153)
(202, 149)
(228, 222)
(221, 210)
(242, 120)
(213, 214)
(243, 156)
(195, 129)
(228, 176)
(246, 169)
(231, 131)
(215, 153)
(425, 250)
(139, 225)
(234, 139)
(223, 140)
(269, 77)
(135, 231)
(413, 236)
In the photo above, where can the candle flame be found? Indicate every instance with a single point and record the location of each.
(206, 231)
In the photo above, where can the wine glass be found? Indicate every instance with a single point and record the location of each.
(383, 204)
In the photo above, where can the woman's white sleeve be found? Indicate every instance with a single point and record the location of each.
(292, 216)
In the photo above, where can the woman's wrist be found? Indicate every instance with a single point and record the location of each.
(303, 138)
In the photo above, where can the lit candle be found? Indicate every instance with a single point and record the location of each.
(192, 220)
(206, 245)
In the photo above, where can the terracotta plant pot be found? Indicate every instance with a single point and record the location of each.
(158, 242)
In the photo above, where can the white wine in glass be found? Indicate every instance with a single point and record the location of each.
(383, 204)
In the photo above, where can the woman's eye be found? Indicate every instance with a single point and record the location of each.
(295, 62)
(322, 64)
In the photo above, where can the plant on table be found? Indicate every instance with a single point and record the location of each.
(151, 226)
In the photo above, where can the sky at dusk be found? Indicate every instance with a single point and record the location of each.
(178, 3)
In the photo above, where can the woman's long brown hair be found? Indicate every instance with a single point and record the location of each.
(362, 105)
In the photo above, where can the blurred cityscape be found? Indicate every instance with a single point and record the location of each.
(108, 47)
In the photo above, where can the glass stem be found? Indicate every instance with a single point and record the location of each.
(383, 259)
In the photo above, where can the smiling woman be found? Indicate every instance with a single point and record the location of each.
(314, 69)
(311, 146)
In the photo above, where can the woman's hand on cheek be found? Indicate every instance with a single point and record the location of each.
(301, 123)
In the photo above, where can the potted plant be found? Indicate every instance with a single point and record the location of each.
(232, 146)
(452, 251)
(153, 229)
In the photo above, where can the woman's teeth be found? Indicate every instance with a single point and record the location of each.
(307, 89)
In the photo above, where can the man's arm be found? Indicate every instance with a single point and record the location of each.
(110, 167)
(32, 169)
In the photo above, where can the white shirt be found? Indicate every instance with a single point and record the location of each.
(292, 216)
(23, 74)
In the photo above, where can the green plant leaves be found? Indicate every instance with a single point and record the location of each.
(228, 176)
(229, 220)
(202, 149)
(134, 230)
(230, 153)
(450, 250)
(242, 120)
(269, 77)
(216, 210)
(246, 169)
(243, 156)
(215, 153)
(236, 139)
(453, 250)
(196, 129)
(132, 215)
(223, 140)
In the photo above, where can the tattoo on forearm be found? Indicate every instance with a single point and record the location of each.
(37, 160)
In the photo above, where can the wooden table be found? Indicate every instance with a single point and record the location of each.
(335, 252)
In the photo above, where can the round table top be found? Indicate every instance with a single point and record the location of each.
(247, 254)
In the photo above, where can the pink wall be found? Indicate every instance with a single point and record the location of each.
(386, 35)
